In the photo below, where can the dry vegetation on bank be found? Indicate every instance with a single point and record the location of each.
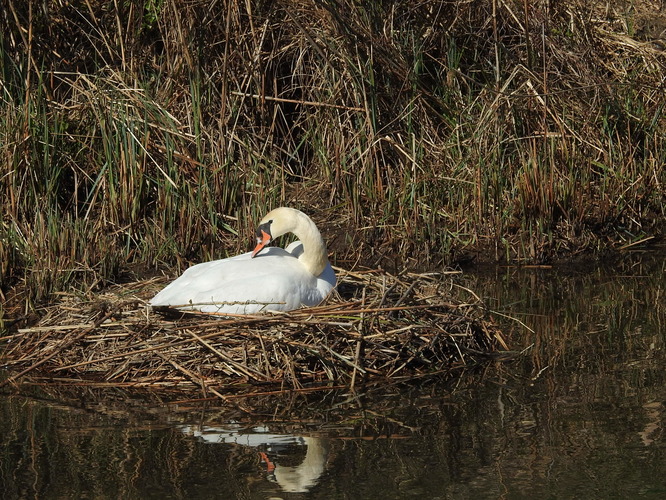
(155, 133)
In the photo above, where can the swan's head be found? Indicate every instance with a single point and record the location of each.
(276, 223)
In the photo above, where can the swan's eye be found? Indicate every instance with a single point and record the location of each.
(270, 221)
(264, 228)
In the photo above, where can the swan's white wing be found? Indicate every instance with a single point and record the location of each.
(275, 280)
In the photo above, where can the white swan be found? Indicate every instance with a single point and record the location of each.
(274, 279)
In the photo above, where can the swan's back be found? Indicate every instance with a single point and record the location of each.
(275, 280)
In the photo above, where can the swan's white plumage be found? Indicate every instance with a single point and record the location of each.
(275, 280)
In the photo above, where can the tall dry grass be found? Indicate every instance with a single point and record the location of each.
(155, 133)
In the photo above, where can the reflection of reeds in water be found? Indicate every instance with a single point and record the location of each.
(393, 328)
(583, 312)
(154, 136)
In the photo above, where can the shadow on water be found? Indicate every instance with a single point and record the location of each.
(579, 414)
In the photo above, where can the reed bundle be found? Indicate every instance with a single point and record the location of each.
(377, 327)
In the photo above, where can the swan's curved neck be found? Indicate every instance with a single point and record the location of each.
(314, 256)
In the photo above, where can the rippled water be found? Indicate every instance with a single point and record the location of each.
(580, 414)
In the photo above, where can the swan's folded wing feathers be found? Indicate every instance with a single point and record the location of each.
(268, 282)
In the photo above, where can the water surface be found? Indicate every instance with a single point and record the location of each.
(580, 414)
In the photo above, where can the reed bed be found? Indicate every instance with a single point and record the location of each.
(393, 329)
(156, 133)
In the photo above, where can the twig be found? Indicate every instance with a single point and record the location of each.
(233, 364)
(63, 346)
(296, 101)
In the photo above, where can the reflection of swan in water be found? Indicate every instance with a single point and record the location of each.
(298, 478)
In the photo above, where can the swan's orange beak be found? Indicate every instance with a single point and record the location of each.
(262, 241)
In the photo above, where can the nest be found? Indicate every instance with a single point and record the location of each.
(389, 328)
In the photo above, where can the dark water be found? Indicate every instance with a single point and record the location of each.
(580, 414)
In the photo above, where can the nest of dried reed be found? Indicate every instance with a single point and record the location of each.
(377, 327)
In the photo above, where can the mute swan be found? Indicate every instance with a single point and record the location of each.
(270, 279)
